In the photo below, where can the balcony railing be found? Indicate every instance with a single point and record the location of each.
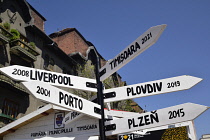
(7, 116)
(5, 119)
(23, 50)
(4, 35)
(7, 81)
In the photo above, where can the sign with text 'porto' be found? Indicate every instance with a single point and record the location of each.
(134, 49)
(21, 73)
(166, 116)
(73, 115)
(150, 88)
(56, 96)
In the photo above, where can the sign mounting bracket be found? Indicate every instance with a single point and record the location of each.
(97, 110)
(91, 85)
(110, 127)
(109, 95)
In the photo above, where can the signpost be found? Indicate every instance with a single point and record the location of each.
(73, 115)
(39, 82)
(150, 88)
(166, 116)
(142, 43)
(56, 96)
(21, 73)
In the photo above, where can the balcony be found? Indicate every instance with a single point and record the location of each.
(23, 50)
(8, 82)
(4, 35)
(5, 119)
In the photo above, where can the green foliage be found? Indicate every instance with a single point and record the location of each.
(87, 71)
(6, 25)
(108, 83)
(32, 45)
(15, 33)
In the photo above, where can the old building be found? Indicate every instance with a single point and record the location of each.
(71, 41)
(23, 41)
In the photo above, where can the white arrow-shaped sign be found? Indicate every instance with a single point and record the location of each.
(71, 117)
(142, 132)
(188, 124)
(150, 88)
(166, 116)
(130, 52)
(56, 96)
(21, 73)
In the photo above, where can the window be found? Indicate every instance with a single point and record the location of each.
(10, 108)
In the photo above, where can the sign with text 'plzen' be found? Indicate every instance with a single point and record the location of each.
(161, 117)
(134, 49)
(21, 73)
(150, 88)
(56, 96)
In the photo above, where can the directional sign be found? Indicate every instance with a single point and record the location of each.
(150, 88)
(157, 132)
(73, 115)
(56, 96)
(21, 73)
(134, 49)
(142, 132)
(166, 116)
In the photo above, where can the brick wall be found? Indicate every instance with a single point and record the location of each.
(38, 21)
(71, 42)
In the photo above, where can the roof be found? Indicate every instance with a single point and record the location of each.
(46, 110)
(13, 126)
(49, 42)
(65, 31)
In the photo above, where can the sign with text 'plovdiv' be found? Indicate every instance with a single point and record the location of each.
(166, 116)
(21, 73)
(134, 49)
(150, 88)
(56, 96)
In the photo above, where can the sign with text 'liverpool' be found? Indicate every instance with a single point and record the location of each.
(151, 88)
(21, 73)
(56, 96)
(134, 49)
(166, 116)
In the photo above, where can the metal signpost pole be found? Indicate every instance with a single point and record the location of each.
(100, 99)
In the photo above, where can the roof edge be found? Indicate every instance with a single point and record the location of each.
(11, 127)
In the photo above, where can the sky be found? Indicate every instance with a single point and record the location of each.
(182, 49)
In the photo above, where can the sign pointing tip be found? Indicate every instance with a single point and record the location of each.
(138, 46)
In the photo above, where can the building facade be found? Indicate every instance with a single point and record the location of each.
(23, 41)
